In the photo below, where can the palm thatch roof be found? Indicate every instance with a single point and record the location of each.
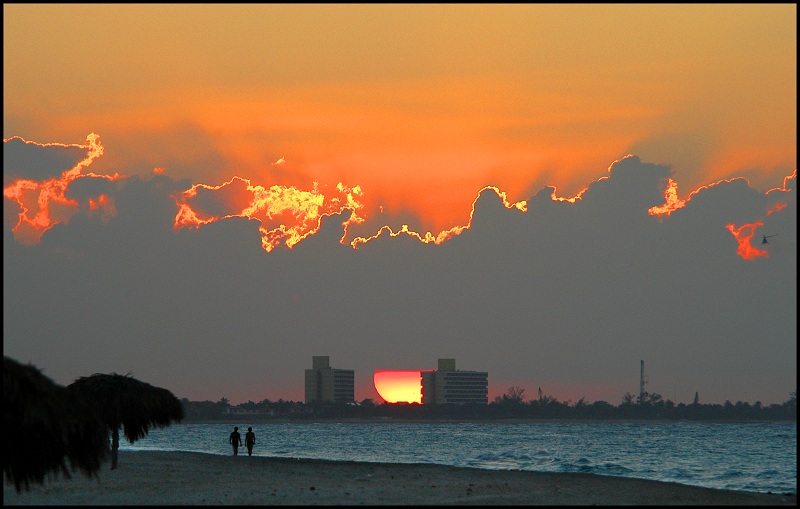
(134, 405)
(44, 426)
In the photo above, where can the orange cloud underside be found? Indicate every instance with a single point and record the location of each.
(399, 386)
(44, 204)
(288, 214)
(744, 235)
(424, 149)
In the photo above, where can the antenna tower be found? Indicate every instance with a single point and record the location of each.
(641, 383)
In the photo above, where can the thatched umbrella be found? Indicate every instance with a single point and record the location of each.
(134, 405)
(44, 425)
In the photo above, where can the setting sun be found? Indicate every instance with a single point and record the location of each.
(399, 386)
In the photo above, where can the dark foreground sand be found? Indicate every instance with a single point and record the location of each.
(182, 478)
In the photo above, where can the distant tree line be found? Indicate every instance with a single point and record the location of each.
(511, 405)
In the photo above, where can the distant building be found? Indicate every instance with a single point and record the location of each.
(448, 385)
(326, 384)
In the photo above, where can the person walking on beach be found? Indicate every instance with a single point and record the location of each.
(249, 441)
(235, 440)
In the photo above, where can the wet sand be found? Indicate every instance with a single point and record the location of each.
(184, 478)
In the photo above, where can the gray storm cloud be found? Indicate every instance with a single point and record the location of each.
(565, 296)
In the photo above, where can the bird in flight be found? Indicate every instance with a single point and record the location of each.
(764, 239)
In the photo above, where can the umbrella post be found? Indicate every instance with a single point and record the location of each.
(114, 447)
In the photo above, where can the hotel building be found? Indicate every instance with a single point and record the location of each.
(326, 384)
(448, 385)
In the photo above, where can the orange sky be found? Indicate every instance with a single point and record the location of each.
(421, 106)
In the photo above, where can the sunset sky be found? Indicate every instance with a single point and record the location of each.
(209, 195)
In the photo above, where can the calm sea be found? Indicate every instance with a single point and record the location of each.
(758, 457)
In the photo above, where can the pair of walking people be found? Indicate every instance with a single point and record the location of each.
(236, 440)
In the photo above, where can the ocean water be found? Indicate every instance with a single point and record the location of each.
(759, 457)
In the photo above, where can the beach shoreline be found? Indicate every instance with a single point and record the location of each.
(189, 478)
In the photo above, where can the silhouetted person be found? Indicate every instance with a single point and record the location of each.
(249, 441)
(235, 440)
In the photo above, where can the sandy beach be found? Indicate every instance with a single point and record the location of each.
(183, 478)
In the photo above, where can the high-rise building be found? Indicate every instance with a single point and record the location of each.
(448, 385)
(326, 384)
